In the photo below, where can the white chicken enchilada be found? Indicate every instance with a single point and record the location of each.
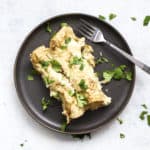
(67, 68)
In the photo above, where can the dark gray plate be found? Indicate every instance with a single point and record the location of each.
(31, 92)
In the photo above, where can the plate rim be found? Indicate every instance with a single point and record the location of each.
(33, 115)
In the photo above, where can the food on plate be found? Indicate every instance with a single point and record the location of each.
(67, 69)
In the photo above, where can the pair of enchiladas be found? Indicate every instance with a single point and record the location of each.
(67, 69)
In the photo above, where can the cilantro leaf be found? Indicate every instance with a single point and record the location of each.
(146, 21)
(30, 77)
(81, 99)
(63, 24)
(102, 60)
(77, 61)
(142, 115)
(44, 63)
(83, 85)
(122, 136)
(101, 17)
(108, 75)
(128, 75)
(63, 126)
(45, 103)
(63, 47)
(81, 136)
(56, 65)
(148, 120)
(68, 40)
(133, 18)
(112, 16)
(47, 81)
(71, 92)
(144, 106)
(48, 28)
(120, 121)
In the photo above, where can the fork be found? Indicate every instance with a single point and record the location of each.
(95, 35)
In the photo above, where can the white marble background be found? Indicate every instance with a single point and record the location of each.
(17, 19)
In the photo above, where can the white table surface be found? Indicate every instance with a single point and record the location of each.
(18, 18)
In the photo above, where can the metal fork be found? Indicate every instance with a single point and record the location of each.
(95, 35)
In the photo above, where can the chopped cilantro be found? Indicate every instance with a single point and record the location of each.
(118, 73)
(45, 63)
(120, 121)
(81, 136)
(30, 77)
(108, 75)
(102, 60)
(48, 28)
(83, 85)
(122, 136)
(47, 81)
(56, 65)
(81, 67)
(81, 99)
(76, 61)
(21, 144)
(63, 24)
(68, 40)
(148, 120)
(63, 47)
(133, 18)
(144, 106)
(101, 17)
(71, 92)
(142, 115)
(63, 126)
(128, 75)
(112, 16)
(45, 103)
(146, 21)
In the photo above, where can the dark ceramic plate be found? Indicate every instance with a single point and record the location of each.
(31, 92)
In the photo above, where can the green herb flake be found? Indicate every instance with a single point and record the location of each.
(146, 21)
(142, 115)
(68, 40)
(21, 144)
(128, 75)
(81, 67)
(63, 126)
(45, 103)
(81, 99)
(102, 60)
(44, 63)
(81, 136)
(117, 74)
(77, 61)
(56, 65)
(63, 24)
(83, 85)
(144, 106)
(47, 81)
(30, 77)
(112, 16)
(133, 18)
(63, 47)
(48, 28)
(148, 120)
(108, 75)
(101, 17)
(122, 136)
(120, 121)
(71, 92)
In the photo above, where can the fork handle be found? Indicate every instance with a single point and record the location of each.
(129, 57)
